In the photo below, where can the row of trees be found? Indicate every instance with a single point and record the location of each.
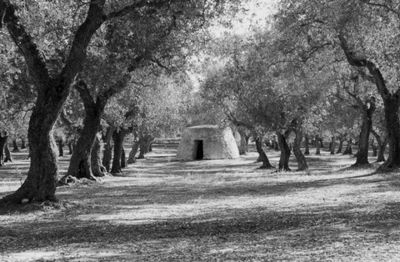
(115, 56)
(317, 70)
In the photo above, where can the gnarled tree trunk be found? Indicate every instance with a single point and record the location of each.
(285, 152)
(60, 144)
(244, 142)
(340, 147)
(332, 145)
(40, 185)
(107, 155)
(133, 152)
(317, 145)
(3, 142)
(301, 160)
(118, 137)
(15, 146)
(381, 146)
(261, 154)
(349, 149)
(81, 165)
(366, 126)
(98, 169)
(7, 152)
(306, 145)
(23, 143)
(374, 148)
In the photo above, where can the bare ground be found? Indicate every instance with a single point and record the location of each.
(163, 210)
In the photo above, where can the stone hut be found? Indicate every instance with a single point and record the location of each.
(207, 142)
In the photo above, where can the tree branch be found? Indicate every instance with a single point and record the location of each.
(84, 93)
(36, 65)
(383, 6)
(133, 7)
(363, 62)
(94, 19)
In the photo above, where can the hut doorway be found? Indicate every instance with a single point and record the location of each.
(198, 150)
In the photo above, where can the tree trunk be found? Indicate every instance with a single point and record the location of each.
(374, 148)
(393, 133)
(3, 142)
(366, 126)
(60, 144)
(317, 145)
(340, 147)
(40, 184)
(306, 145)
(23, 143)
(142, 147)
(15, 146)
(80, 165)
(285, 152)
(132, 154)
(107, 155)
(98, 169)
(123, 158)
(349, 149)
(301, 160)
(332, 145)
(118, 137)
(244, 142)
(381, 146)
(7, 152)
(381, 152)
(70, 147)
(81, 162)
(261, 154)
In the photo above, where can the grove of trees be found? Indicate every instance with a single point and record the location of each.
(91, 74)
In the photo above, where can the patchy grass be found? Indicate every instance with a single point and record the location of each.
(163, 210)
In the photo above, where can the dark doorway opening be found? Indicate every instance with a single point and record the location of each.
(198, 150)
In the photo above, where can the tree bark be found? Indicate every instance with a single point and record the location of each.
(7, 152)
(332, 145)
(60, 144)
(98, 169)
(301, 160)
(142, 147)
(374, 148)
(285, 152)
(367, 112)
(349, 149)
(81, 164)
(244, 142)
(23, 143)
(133, 152)
(15, 146)
(123, 158)
(262, 155)
(317, 145)
(107, 155)
(118, 137)
(381, 146)
(70, 147)
(306, 145)
(340, 147)
(3, 142)
(393, 133)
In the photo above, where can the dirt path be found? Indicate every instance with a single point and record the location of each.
(163, 210)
